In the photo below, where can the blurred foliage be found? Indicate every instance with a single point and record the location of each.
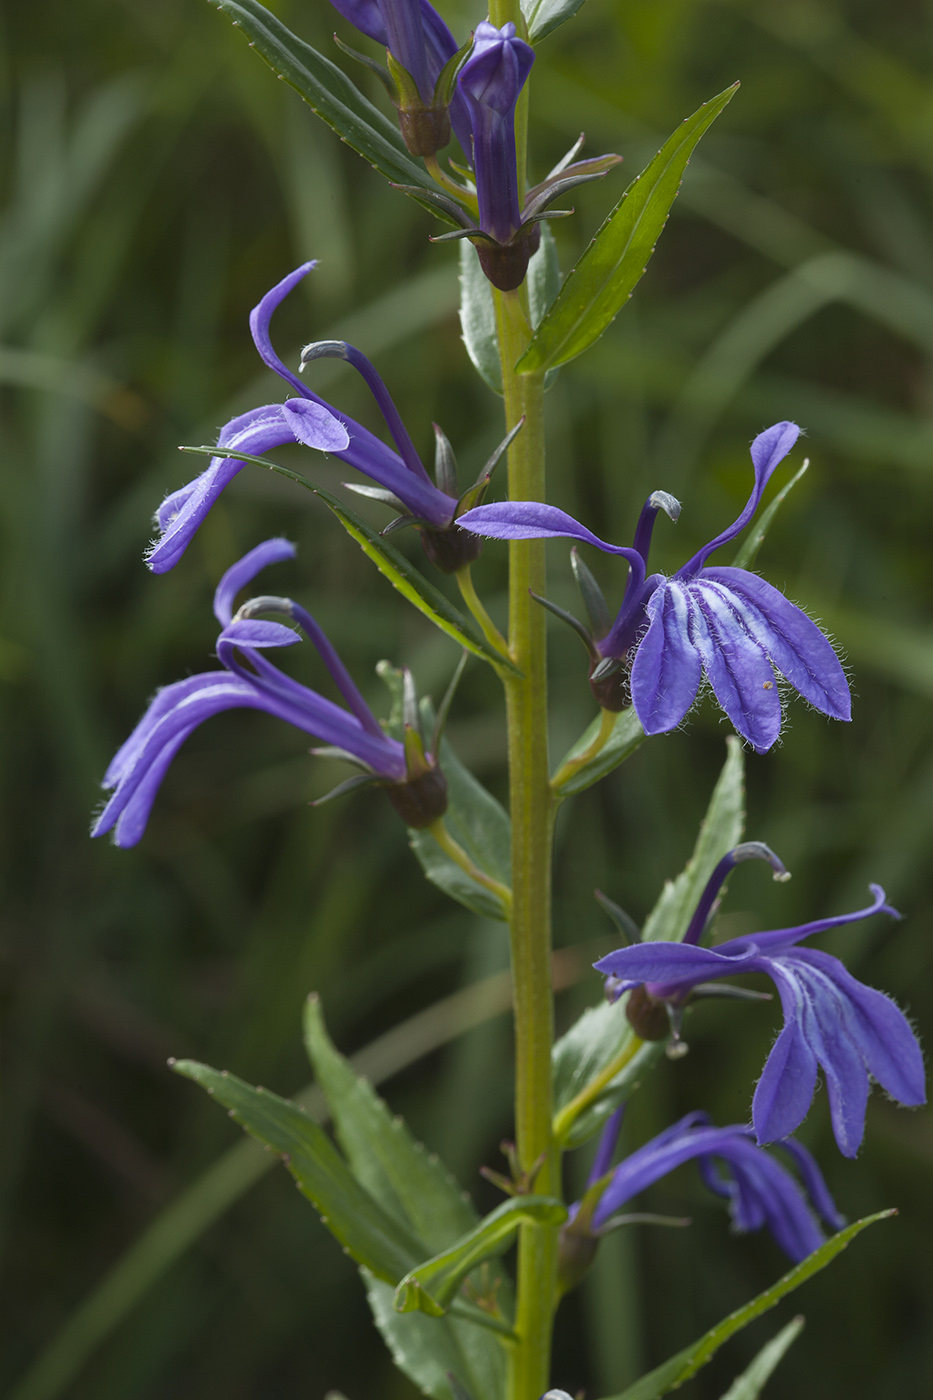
(157, 182)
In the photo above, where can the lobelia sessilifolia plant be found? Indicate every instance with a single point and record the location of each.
(453, 1320)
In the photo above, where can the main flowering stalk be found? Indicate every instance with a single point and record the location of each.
(532, 812)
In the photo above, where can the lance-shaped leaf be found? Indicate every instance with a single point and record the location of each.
(749, 1385)
(368, 1232)
(603, 280)
(413, 585)
(480, 825)
(750, 546)
(544, 16)
(414, 1187)
(627, 734)
(331, 96)
(432, 1287)
(686, 1363)
(398, 1173)
(720, 831)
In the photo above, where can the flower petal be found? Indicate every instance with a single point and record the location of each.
(666, 963)
(244, 571)
(181, 514)
(532, 520)
(315, 426)
(788, 1081)
(261, 315)
(739, 671)
(259, 632)
(878, 1027)
(798, 648)
(768, 450)
(667, 669)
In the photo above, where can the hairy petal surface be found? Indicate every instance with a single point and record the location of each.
(796, 646)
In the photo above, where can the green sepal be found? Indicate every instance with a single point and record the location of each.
(753, 542)
(481, 826)
(603, 280)
(432, 1287)
(686, 1363)
(720, 830)
(597, 609)
(368, 1233)
(331, 96)
(413, 585)
(408, 94)
(444, 87)
(627, 735)
(544, 16)
(749, 1385)
(381, 72)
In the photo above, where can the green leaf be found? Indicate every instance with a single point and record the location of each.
(749, 1385)
(626, 737)
(331, 96)
(479, 824)
(478, 318)
(416, 1189)
(429, 1350)
(366, 1230)
(686, 1363)
(432, 1287)
(478, 313)
(751, 545)
(388, 1163)
(603, 280)
(544, 16)
(720, 830)
(413, 585)
(599, 1036)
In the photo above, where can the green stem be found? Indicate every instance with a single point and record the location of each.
(571, 1111)
(532, 809)
(607, 723)
(459, 856)
(489, 629)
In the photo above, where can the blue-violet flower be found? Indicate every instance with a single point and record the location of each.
(759, 1190)
(414, 783)
(421, 46)
(724, 622)
(490, 84)
(401, 477)
(831, 1020)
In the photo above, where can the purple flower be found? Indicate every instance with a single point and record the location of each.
(759, 1190)
(830, 1020)
(721, 622)
(421, 44)
(307, 419)
(490, 82)
(414, 783)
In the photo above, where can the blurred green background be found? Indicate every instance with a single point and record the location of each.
(158, 180)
